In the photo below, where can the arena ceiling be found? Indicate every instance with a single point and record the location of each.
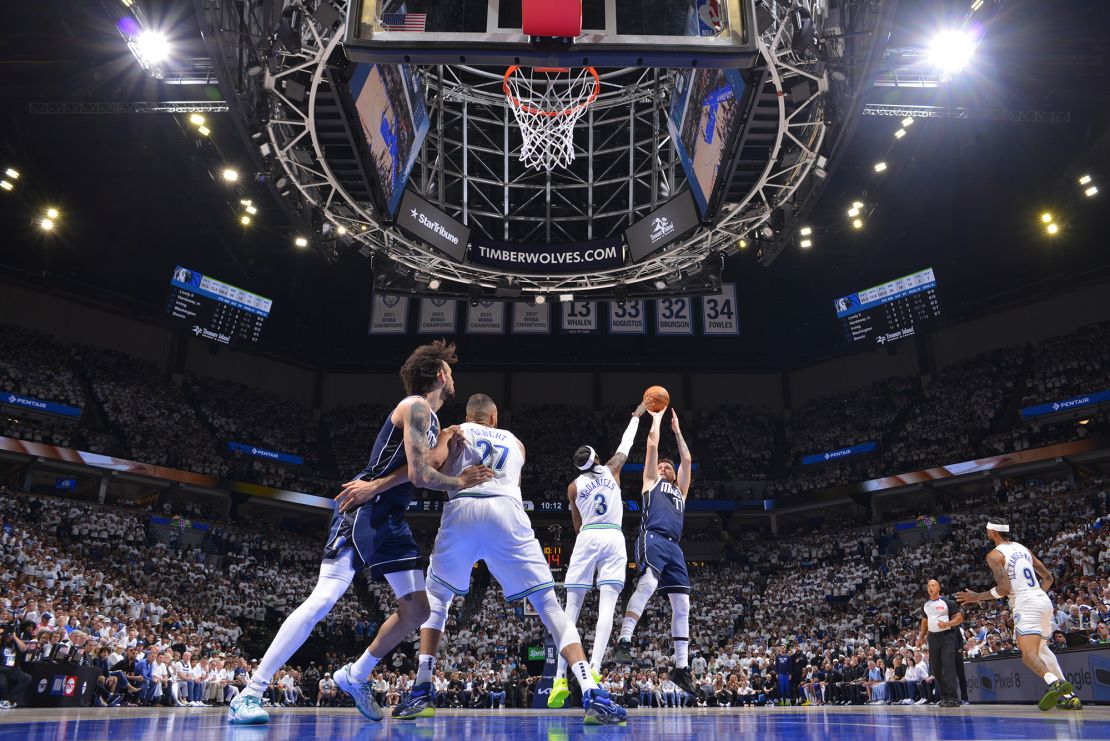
(139, 192)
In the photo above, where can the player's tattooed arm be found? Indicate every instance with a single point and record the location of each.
(421, 471)
(997, 564)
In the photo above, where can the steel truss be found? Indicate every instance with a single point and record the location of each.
(969, 114)
(625, 165)
(65, 108)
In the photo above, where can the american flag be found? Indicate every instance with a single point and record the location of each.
(403, 21)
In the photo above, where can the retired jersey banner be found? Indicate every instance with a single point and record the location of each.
(389, 315)
(627, 318)
(437, 315)
(531, 318)
(718, 313)
(488, 317)
(674, 316)
(579, 317)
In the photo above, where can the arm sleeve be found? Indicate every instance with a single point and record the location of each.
(629, 436)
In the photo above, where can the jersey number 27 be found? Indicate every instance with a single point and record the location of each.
(493, 456)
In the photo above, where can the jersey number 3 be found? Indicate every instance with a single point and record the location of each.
(493, 456)
(601, 507)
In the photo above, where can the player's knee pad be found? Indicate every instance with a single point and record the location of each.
(554, 619)
(439, 601)
(644, 589)
(680, 615)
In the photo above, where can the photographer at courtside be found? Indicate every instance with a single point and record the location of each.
(13, 680)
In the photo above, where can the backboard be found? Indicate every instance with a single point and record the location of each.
(615, 33)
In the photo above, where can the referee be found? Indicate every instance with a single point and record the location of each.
(941, 621)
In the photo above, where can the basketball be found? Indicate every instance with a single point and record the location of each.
(656, 399)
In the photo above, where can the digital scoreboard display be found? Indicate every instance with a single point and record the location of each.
(891, 311)
(216, 311)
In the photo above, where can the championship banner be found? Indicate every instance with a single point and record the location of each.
(488, 317)
(718, 313)
(579, 317)
(531, 318)
(627, 318)
(437, 315)
(389, 315)
(572, 257)
(674, 316)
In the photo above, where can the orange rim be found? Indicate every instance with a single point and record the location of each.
(515, 102)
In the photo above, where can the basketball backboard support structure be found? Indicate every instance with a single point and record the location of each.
(615, 33)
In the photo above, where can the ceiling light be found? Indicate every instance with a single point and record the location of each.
(251, 210)
(976, 5)
(46, 224)
(230, 175)
(1046, 217)
(1053, 228)
(1083, 422)
(566, 298)
(433, 284)
(767, 232)
(742, 243)
(880, 166)
(907, 122)
(806, 244)
(899, 133)
(196, 119)
(362, 228)
(1082, 181)
(6, 185)
(541, 299)
(805, 231)
(857, 224)
(151, 47)
(857, 204)
(341, 230)
(300, 242)
(660, 284)
(246, 202)
(12, 173)
(204, 130)
(52, 213)
(853, 211)
(951, 50)
(245, 220)
(1093, 190)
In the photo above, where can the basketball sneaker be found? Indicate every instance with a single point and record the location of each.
(246, 710)
(560, 691)
(622, 654)
(1056, 690)
(601, 710)
(1070, 703)
(682, 678)
(421, 703)
(360, 692)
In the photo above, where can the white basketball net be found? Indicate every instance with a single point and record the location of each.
(547, 103)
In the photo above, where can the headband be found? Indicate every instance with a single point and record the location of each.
(589, 461)
(998, 528)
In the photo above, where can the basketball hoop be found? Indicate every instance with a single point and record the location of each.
(547, 103)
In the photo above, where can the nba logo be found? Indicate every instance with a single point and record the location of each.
(71, 686)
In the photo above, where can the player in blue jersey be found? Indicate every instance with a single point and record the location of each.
(369, 532)
(659, 556)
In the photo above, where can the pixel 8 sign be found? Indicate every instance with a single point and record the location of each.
(890, 311)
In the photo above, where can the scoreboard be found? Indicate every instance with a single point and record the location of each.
(891, 311)
(217, 311)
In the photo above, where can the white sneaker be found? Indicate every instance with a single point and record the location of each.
(247, 710)
(922, 701)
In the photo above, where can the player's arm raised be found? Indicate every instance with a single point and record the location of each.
(416, 417)
(618, 460)
(572, 499)
(685, 460)
(997, 563)
(651, 455)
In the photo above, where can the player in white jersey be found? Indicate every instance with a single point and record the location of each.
(1020, 576)
(487, 523)
(598, 513)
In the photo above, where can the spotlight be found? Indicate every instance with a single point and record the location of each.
(805, 231)
(566, 298)
(52, 213)
(951, 50)
(853, 211)
(907, 122)
(899, 133)
(251, 210)
(1092, 191)
(300, 242)
(245, 220)
(857, 204)
(341, 230)
(1046, 217)
(246, 202)
(1052, 228)
(767, 232)
(6, 185)
(196, 119)
(857, 224)
(976, 5)
(12, 173)
(433, 284)
(880, 166)
(540, 299)
(230, 175)
(362, 228)
(1082, 181)
(204, 130)
(660, 284)
(46, 224)
(151, 48)
(742, 243)
(805, 244)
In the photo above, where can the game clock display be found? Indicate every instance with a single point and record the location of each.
(891, 311)
(215, 310)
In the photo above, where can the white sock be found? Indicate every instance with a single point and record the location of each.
(426, 670)
(1050, 677)
(365, 664)
(585, 678)
(606, 603)
(681, 653)
(627, 627)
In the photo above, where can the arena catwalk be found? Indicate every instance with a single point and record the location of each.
(788, 724)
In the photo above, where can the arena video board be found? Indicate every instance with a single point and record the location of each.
(890, 311)
(218, 311)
